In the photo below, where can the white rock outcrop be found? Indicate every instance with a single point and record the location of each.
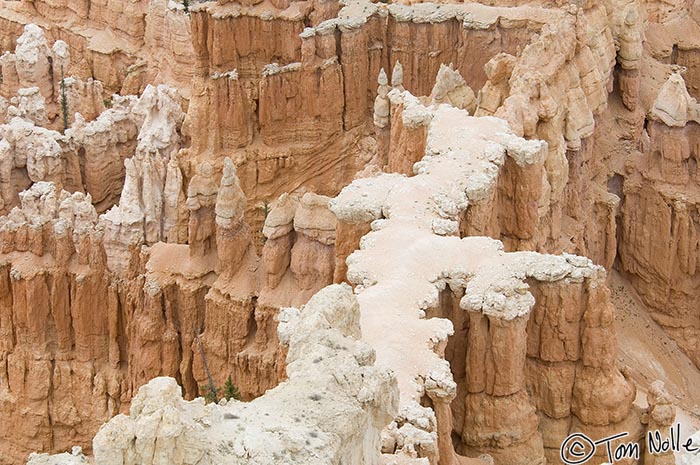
(75, 457)
(148, 208)
(450, 87)
(34, 65)
(330, 410)
(674, 106)
(413, 255)
(30, 151)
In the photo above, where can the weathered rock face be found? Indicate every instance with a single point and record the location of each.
(236, 105)
(661, 186)
(90, 154)
(409, 128)
(125, 46)
(323, 347)
(58, 326)
(511, 349)
(150, 314)
(102, 332)
(38, 91)
(30, 65)
(149, 204)
(31, 154)
(40, 78)
(312, 256)
(327, 76)
(291, 422)
(451, 88)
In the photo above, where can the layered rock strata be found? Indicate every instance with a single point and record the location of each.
(328, 73)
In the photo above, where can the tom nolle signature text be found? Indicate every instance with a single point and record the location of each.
(579, 448)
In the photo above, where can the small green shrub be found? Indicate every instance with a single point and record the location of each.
(213, 394)
(209, 393)
(230, 390)
(64, 103)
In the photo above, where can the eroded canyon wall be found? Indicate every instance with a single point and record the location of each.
(284, 98)
(659, 238)
(125, 45)
(114, 318)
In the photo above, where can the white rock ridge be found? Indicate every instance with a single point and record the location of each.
(413, 252)
(330, 410)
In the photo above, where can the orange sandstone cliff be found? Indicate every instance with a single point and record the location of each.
(182, 187)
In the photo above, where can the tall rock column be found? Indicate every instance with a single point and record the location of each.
(33, 61)
(201, 201)
(348, 237)
(570, 343)
(279, 239)
(442, 390)
(660, 417)
(313, 257)
(602, 397)
(232, 233)
(630, 39)
(409, 131)
(174, 199)
(499, 418)
(381, 116)
(519, 193)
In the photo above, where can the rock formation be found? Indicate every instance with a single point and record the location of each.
(312, 256)
(501, 309)
(451, 88)
(661, 416)
(31, 154)
(177, 180)
(76, 457)
(381, 102)
(673, 105)
(95, 143)
(123, 46)
(201, 200)
(35, 66)
(279, 238)
(148, 209)
(290, 423)
(662, 182)
(232, 233)
(44, 369)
